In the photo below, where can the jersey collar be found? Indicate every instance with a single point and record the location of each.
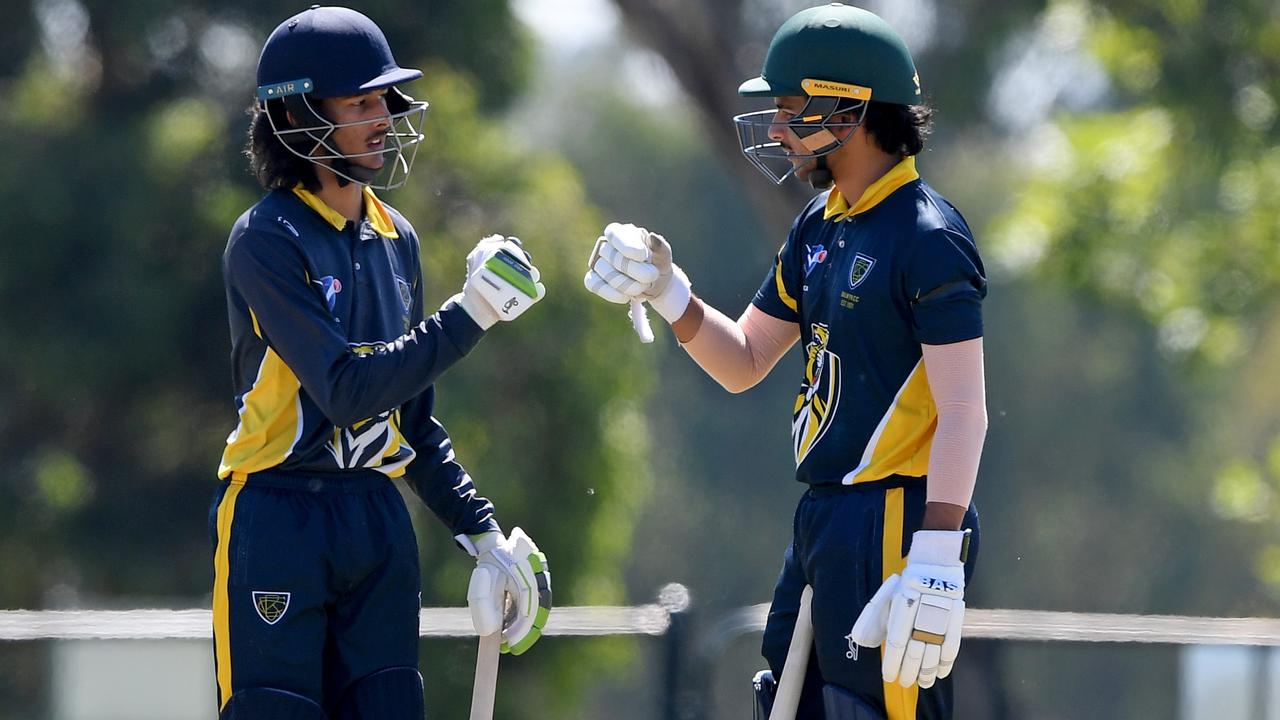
(374, 210)
(838, 207)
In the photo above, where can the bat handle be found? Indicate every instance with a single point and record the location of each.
(640, 321)
(485, 688)
(787, 700)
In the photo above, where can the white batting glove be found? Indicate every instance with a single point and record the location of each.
(501, 281)
(918, 617)
(630, 263)
(510, 588)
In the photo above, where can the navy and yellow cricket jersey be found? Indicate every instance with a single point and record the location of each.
(868, 285)
(333, 359)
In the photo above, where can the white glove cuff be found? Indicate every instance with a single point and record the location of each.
(937, 547)
(477, 309)
(477, 545)
(675, 297)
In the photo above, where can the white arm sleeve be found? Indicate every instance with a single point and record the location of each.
(959, 391)
(739, 355)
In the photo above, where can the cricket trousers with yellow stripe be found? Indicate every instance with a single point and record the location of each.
(316, 586)
(846, 539)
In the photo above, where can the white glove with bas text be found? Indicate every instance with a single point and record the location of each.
(630, 263)
(918, 616)
(510, 588)
(501, 281)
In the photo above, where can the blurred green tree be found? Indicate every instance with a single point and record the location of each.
(1161, 199)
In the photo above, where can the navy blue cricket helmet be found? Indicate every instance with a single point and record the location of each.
(326, 52)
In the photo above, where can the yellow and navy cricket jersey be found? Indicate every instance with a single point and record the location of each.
(869, 284)
(333, 359)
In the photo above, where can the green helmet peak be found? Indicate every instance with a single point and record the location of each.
(837, 45)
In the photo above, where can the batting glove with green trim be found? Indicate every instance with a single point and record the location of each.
(510, 589)
(501, 281)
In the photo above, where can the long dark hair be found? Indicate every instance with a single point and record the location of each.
(899, 129)
(275, 165)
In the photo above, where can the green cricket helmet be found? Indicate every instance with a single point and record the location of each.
(839, 58)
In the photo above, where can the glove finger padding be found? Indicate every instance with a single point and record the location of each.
(619, 280)
(628, 239)
(598, 286)
(483, 249)
(640, 271)
(869, 630)
(530, 587)
(951, 646)
(486, 594)
(918, 622)
(922, 635)
(911, 661)
(929, 665)
(485, 598)
(902, 616)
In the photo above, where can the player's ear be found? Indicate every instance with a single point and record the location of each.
(867, 137)
(841, 126)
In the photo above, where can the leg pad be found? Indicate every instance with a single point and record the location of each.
(840, 704)
(270, 704)
(390, 694)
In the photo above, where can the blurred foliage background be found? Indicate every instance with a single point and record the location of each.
(1118, 162)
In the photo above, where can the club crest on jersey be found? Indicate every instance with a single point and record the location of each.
(819, 394)
(815, 255)
(271, 606)
(861, 267)
(330, 286)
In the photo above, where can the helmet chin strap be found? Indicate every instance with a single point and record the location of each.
(344, 167)
(820, 176)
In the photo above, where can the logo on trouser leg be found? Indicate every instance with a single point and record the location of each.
(271, 606)
(852, 653)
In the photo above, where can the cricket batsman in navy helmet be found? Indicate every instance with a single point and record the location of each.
(334, 362)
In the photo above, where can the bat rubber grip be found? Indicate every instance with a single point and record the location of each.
(640, 321)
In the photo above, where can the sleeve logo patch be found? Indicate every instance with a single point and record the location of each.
(271, 606)
(288, 225)
(330, 286)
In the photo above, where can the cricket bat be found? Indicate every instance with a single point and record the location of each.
(787, 700)
(485, 688)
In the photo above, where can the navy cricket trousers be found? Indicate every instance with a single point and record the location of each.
(316, 583)
(846, 541)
